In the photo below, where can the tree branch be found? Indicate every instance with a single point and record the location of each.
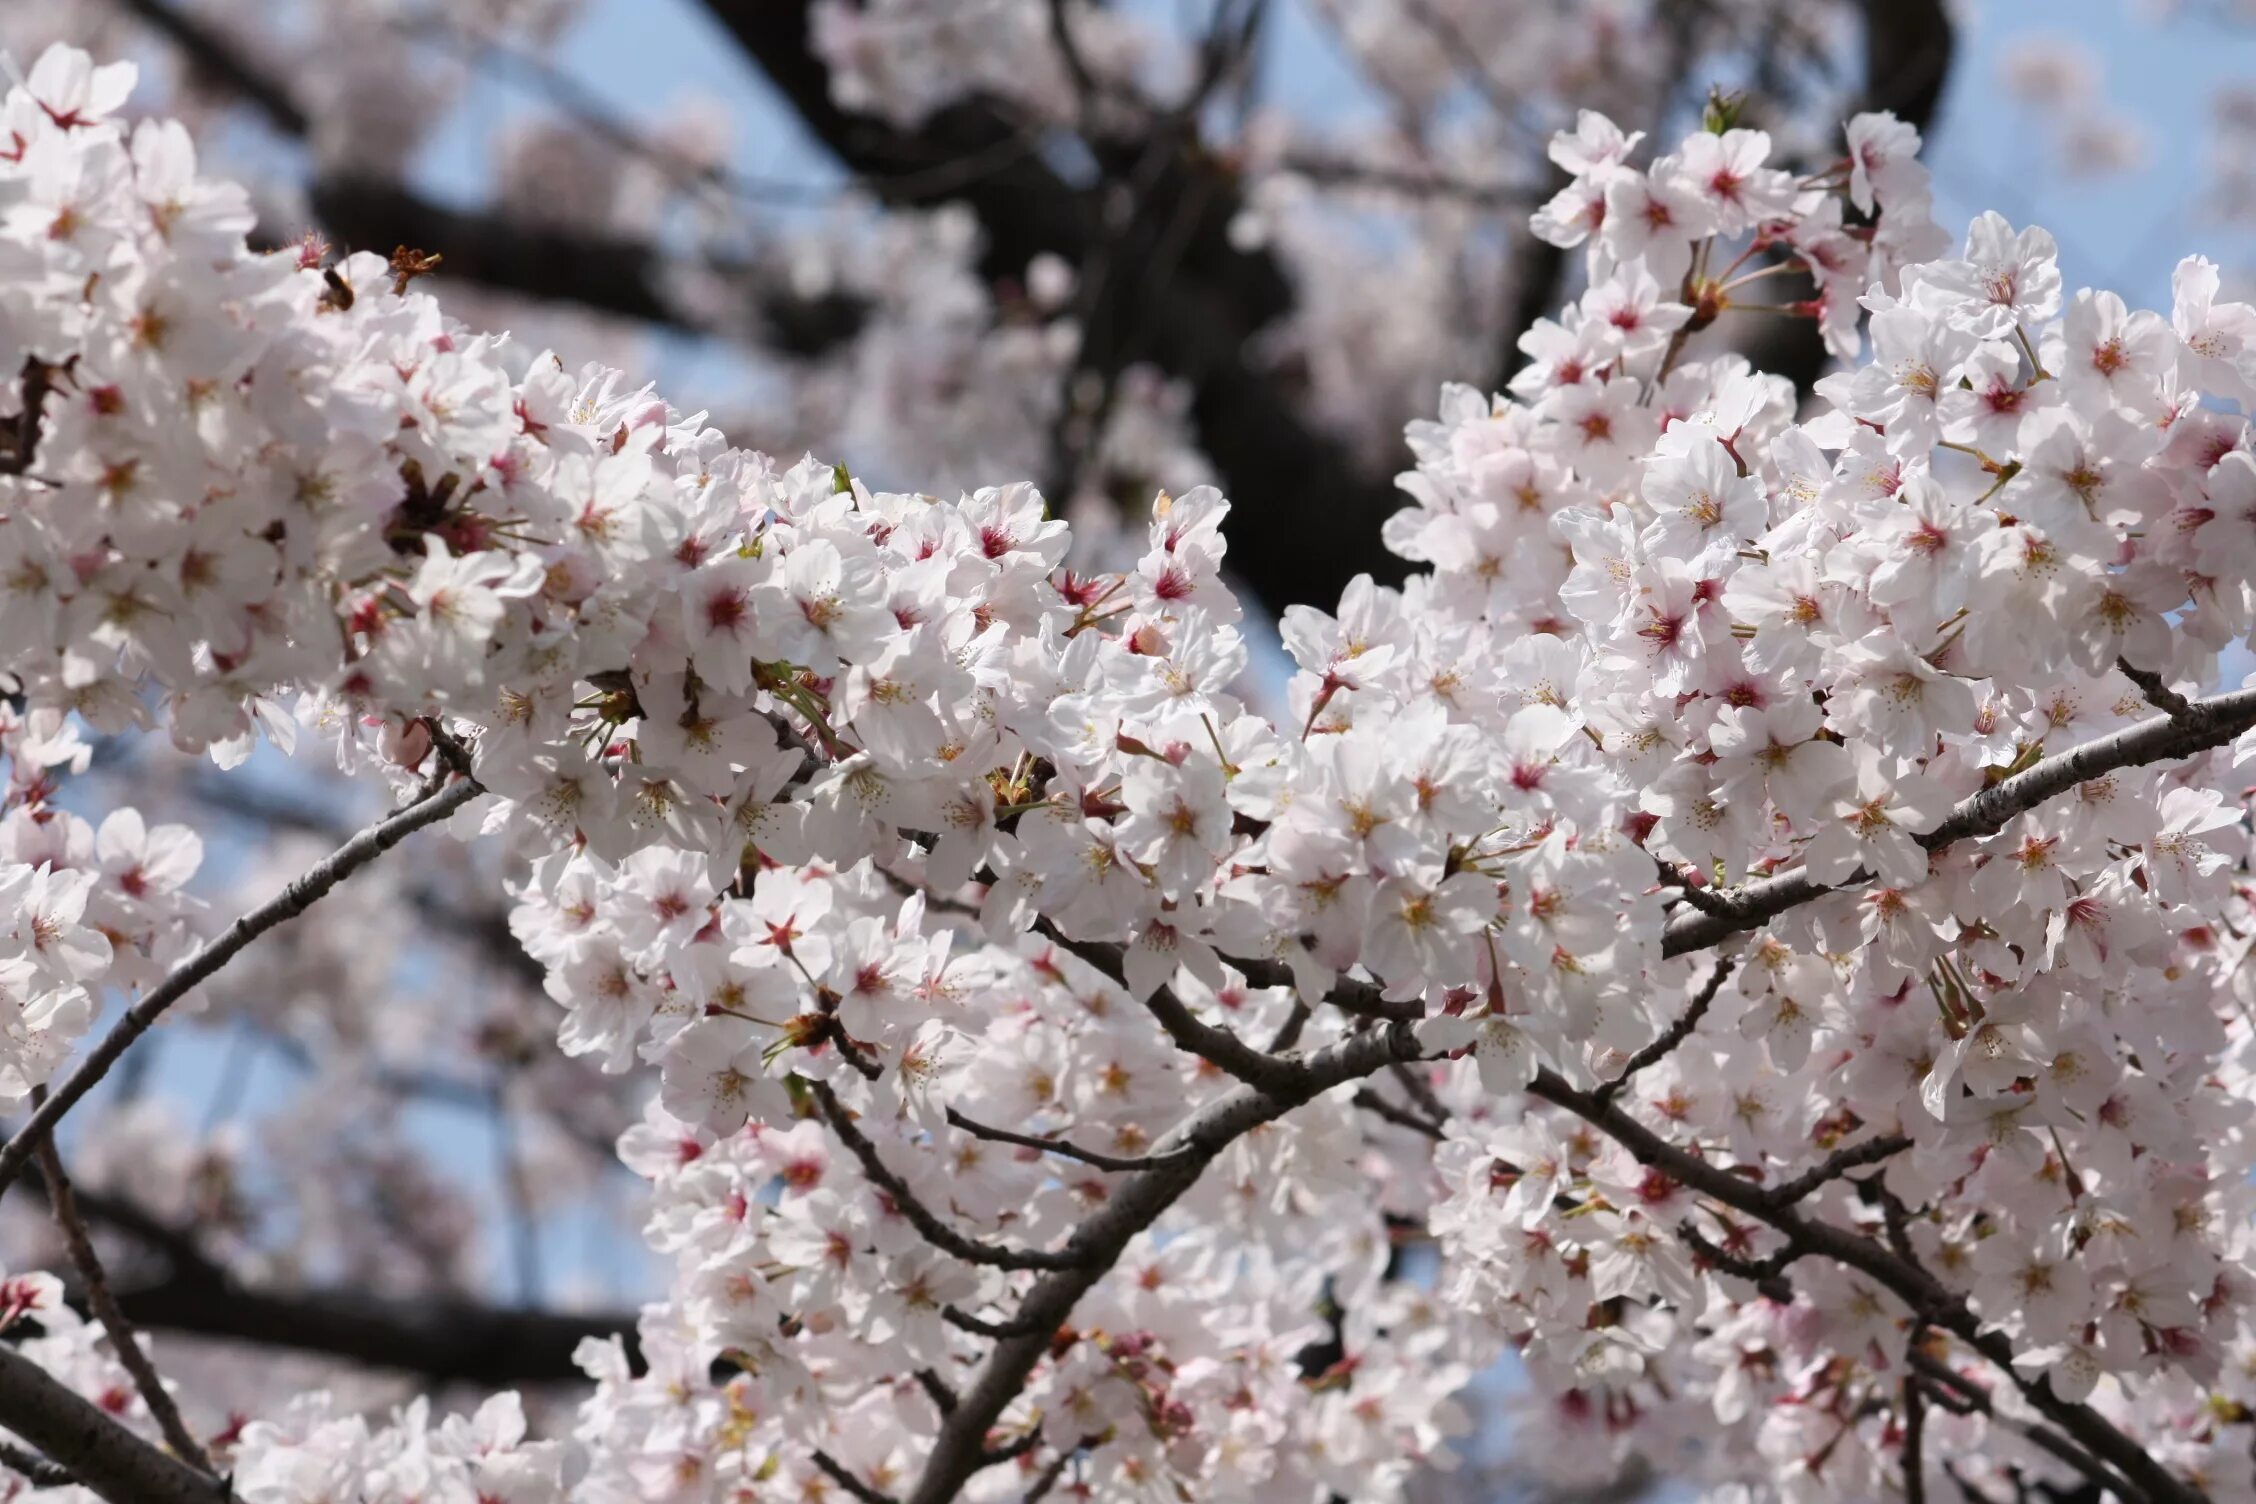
(292, 901)
(2206, 723)
(964, 1321)
(1928, 1298)
(220, 59)
(927, 1222)
(93, 1446)
(40, 1472)
(1280, 470)
(20, 433)
(844, 1477)
(445, 1338)
(1944, 1379)
(104, 1304)
(1116, 1163)
(1855, 1157)
(1100, 1240)
(1369, 1099)
(1675, 1034)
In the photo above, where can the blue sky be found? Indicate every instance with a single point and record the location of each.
(2127, 231)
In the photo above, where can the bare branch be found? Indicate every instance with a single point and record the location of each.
(934, 1229)
(845, 1479)
(1943, 1379)
(41, 1472)
(1277, 465)
(1116, 1163)
(2205, 724)
(1674, 1035)
(2157, 690)
(1407, 182)
(964, 1321)
(1855, 1157)
(444, 1338)
(610, 274)
(1370, 1101)
(103, 1301)
(93, 1446)
(292, 901)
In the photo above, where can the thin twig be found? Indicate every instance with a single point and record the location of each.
(97, 1449)
(2204, 724)
(927, 1222)
(1402, 1117)
(30, 1465)
(1907, 1280)
(846, 1480)
(1674, 1035)
(1058, 1465)
(1049, 1477)
(1855, 1157)
(980, 1326)
(103, 1301)
(1097, 1244)
(2157, 690)
(1288, 1032)
(1941, 1377)
(292, 901)
(1117, 1163)
(936, 1389)
(1766, 1274)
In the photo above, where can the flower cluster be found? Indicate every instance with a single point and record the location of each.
(1679, 885)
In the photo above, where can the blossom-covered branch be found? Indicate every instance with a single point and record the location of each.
(200, 967)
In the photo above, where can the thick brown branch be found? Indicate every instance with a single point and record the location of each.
(1280, 470)
(608, 274)
(444, 1338)
(92, 1445)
